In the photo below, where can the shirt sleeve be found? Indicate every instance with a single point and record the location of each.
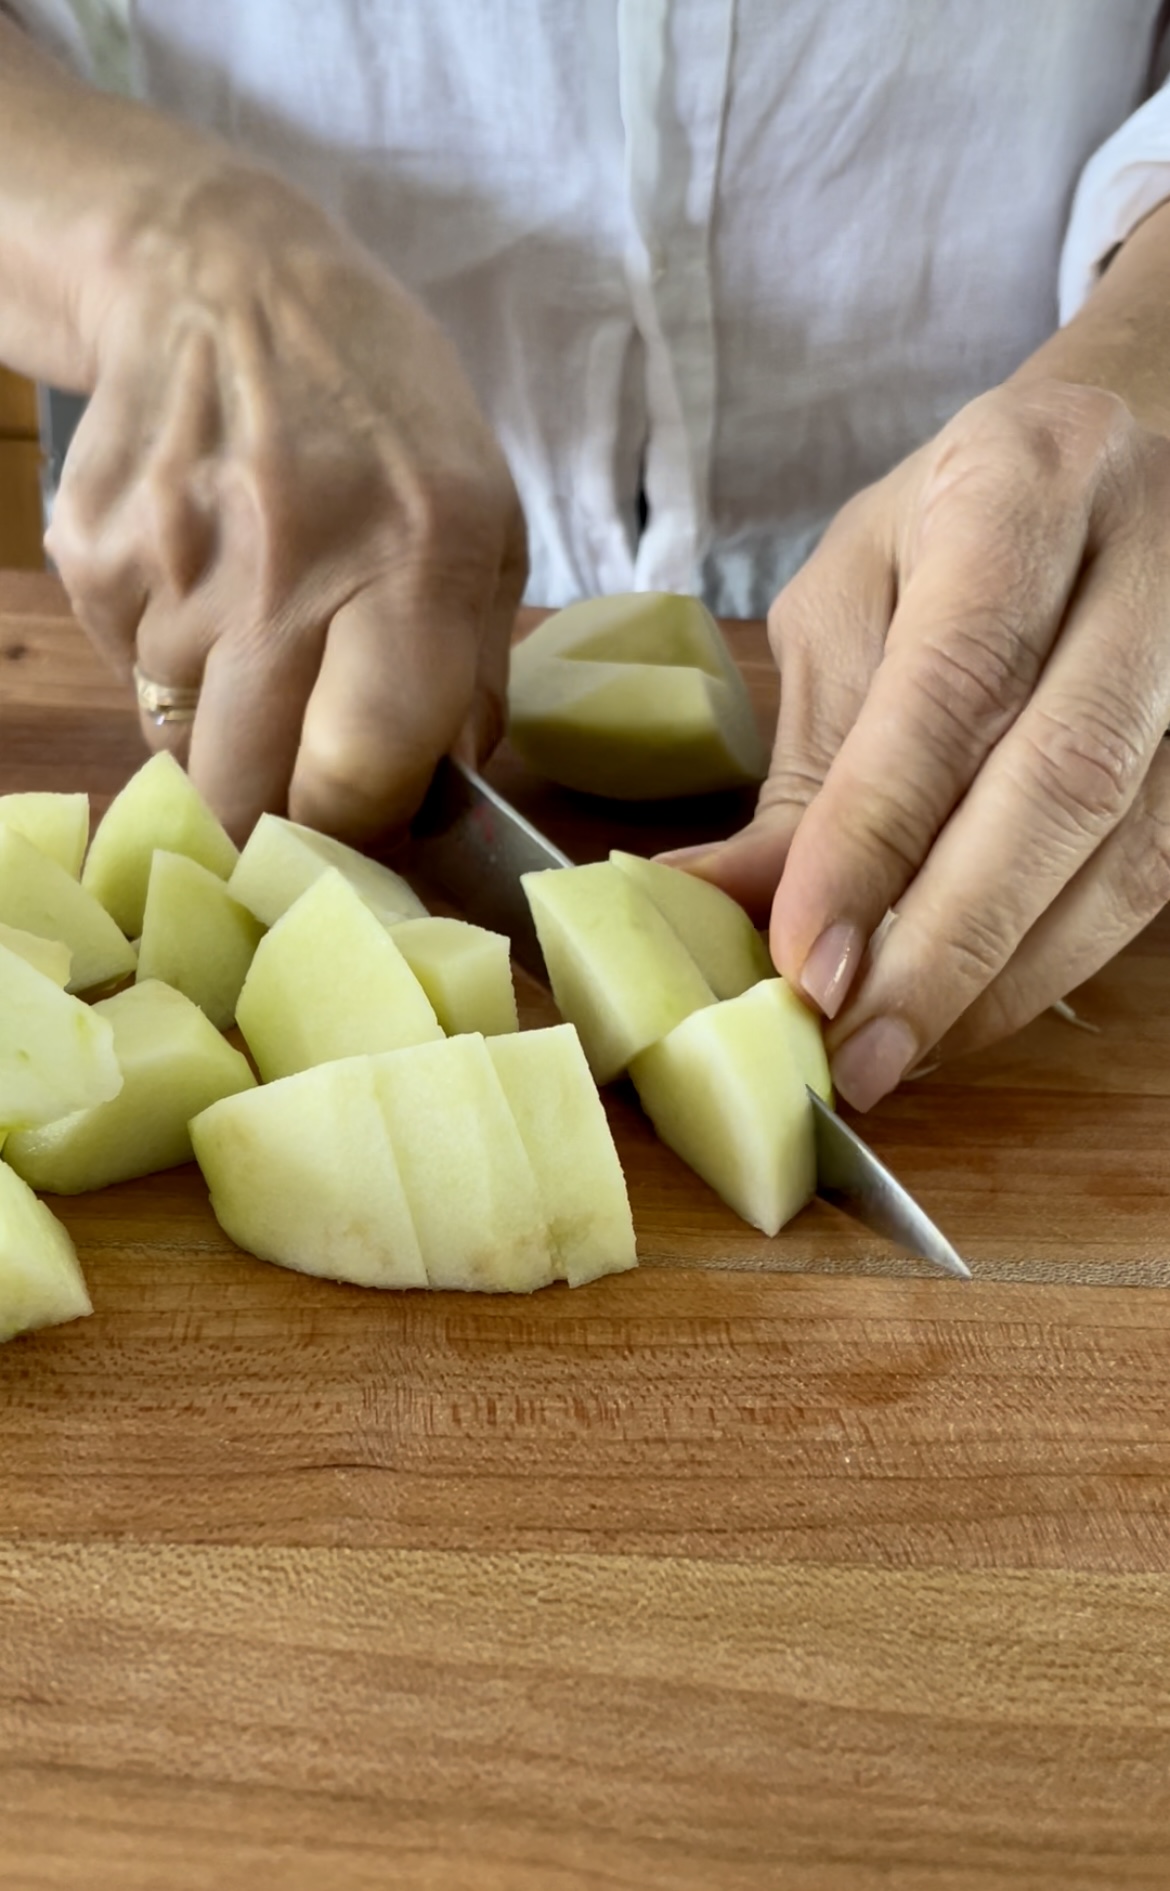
(91, 37)
(1122, 182)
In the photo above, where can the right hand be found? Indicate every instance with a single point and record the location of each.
(284, 492)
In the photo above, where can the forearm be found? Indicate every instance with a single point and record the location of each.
(1120, 339)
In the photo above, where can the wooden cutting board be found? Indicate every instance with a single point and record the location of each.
(775, 1563)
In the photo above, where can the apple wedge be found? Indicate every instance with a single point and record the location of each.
(174, 1064)
(563, 1127)
(301, 1172)
(618, 970)
(37, 895)
(49, 956)
(465, 971)
(159, 807)
(57, 824)
(726, 1091)
(195, 936)
(56, 1054)
(635, 697)
(714, 929)
(41, 1283)
(472, 1193)
(281, 860)
(328, 981)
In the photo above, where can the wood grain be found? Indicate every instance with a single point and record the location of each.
(745, 1570)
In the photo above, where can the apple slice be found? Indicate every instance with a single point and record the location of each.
(281, 860)
(328, 981)
(49, 956)
(618, 971)
(195, 936)
(635, 697)
(56, 1054)
(159, 807)
(472, 1193)
(301, 1172)
(713, 927)
(727, 1092)
(563, 1127)
(465, 971)
(174, 1063)
(37, 895)
(41, 1283)
(56, 823)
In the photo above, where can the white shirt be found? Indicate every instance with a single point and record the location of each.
(743, 255)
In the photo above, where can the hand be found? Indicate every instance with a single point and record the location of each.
(975, 683)
(283, 491)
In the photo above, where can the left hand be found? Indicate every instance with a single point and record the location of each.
(975, 684)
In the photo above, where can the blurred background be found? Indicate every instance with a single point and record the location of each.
(36, 426)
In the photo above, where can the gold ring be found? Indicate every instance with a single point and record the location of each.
(165, 702)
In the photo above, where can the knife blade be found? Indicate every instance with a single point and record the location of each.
(475, 845)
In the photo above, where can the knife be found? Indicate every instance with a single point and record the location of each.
(474, 845)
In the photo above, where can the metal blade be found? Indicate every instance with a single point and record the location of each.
(475, 845)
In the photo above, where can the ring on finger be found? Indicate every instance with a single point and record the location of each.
(165, 702)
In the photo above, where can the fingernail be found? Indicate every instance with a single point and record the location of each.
(686, 856)
(829, 968)
(873, 1060)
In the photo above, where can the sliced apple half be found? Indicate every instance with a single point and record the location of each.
(37, 895)
(49, 956)
(56, 1054)
(195, 936)
(160, 806)
(41, 1283)
(563, 1126)
(726, 1090)
(713, 927)
(466, 972)
(635, 697)
(618, 970)
(281, 860)
(328, 981)
(302, 1172)
(58, 824)
(174, 1063)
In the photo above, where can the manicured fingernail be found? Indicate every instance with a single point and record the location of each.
(873, 1060)
(829, 968)
(686, 856)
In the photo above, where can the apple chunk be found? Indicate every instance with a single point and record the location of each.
(465, 971)
(37, 895)
(174, 1063)
(41, 1283)
(618, 970)
(635, 697)
(281, 860)
(726, 1091)
(301, 1172)
(56, 1054)
(49, 956)
(563, 1127)
(328, 981)
(714, 929)
(159, 807)
(472, 1193)
(195, 936)
(57, 824)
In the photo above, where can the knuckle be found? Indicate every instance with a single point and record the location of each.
(974, 672)
(1083, 762)
(1143, 881)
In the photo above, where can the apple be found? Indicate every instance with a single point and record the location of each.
(159, 807)
(302, 1172)
(56, 1054)
(41, 1283)
(174, 1063)
(56, 823)
(726, 1090)
(473, 1196)
(465, 971)
(50, 957)
(563, 1127)
(713, 927)
(328, 981)
(195, 936)
(37, 895)
(618, 970)
(635, 697)
(281, 860)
